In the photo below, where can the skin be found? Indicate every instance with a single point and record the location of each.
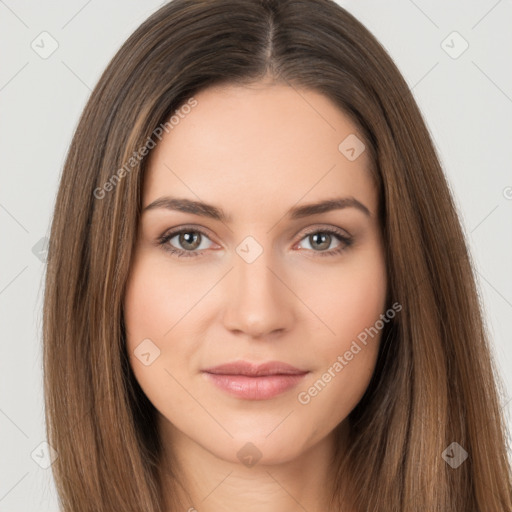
(255, 152)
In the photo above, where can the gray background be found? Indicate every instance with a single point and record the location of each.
(465, 98)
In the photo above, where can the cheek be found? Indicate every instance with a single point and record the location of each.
(162, 305)
(155, 299)
(351, 305)
(144, 306)
(349, 299)
(151, 311)
(147, 306)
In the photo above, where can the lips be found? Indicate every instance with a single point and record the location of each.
(255, 370)
(252, 381)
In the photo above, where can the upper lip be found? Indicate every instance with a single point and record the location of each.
(254, 369)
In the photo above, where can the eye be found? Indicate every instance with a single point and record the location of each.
(191, 241)
(188, 238)
(320, 239)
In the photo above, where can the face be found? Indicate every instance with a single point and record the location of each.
(255, 277)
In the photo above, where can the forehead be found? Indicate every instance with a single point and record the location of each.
(248, 146)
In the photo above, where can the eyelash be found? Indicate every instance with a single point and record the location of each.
(164, 239)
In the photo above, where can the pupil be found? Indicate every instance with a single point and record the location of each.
(323, 237)
(187, 239)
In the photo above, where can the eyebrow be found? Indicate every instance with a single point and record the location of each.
(216, 213)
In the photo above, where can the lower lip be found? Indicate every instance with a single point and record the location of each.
(255, 388)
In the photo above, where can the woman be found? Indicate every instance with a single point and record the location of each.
(201, 352)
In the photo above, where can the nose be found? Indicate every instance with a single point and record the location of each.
(259, 302)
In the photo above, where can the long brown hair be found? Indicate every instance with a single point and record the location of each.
(435, 382)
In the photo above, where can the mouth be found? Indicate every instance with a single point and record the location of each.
(252, 381)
